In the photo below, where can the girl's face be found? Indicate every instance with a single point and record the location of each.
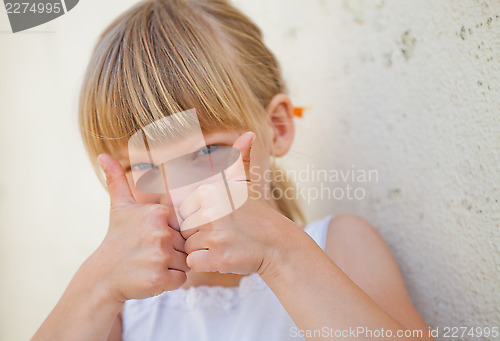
(281, 134)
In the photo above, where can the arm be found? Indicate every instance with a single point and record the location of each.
(361, 253)
(318, 294)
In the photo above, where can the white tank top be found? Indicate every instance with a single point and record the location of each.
(248, 312)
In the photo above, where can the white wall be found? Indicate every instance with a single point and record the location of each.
(53, 211)
(410, 89)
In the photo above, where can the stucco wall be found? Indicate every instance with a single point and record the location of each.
(409, 89)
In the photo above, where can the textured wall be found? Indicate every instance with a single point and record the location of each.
(409, 89)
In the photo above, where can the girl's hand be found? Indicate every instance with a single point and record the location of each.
(243, 242)
(141, 255)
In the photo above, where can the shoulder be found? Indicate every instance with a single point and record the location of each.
(349, 235)
(360, 252)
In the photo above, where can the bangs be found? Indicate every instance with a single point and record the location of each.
(144, 70)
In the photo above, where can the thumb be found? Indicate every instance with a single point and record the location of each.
(244, 145)
(119, 190)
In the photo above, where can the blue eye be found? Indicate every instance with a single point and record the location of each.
(143, 166)
(206, 150)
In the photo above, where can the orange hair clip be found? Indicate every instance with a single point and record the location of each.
(298, 111)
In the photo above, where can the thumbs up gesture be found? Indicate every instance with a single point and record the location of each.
(141, 255)
(238, 241)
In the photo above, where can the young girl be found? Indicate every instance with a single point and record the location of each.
(180, 271)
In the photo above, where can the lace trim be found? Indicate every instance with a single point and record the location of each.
(226, 298)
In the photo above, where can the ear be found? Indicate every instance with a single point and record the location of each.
(280, 111)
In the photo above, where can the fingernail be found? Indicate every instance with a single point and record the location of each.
(99, 159)
(253, 138)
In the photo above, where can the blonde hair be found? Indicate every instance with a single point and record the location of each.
(162, 57)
